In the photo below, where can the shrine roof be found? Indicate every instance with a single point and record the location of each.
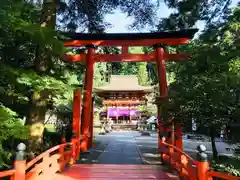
(123, 83)
(117, 39)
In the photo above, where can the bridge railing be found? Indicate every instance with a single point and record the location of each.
(178, 160)
(187, 167)
(46, 164)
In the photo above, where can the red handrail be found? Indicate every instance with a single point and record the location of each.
(39, 157)
(7, 173)
(46, 164)
(179, 160)
(183, 168)
(182, 152)
(221, 175)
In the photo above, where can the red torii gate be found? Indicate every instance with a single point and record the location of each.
(158, 40)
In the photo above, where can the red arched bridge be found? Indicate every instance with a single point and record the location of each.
(59, 162)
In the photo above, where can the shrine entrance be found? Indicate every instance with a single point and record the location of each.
(156, 40)
(121, 98)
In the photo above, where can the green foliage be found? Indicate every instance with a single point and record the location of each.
(227, 164)
(142, 74)
(22, 86)
(10, 122)
(206, 86)
(187, 13)
(90, 14)
(100, 74)
(11, 128)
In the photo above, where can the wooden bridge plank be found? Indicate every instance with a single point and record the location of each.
(110, 172)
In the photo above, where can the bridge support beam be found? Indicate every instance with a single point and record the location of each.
(87, 99)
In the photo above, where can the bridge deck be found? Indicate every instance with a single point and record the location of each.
(114, 172)
(121, 159)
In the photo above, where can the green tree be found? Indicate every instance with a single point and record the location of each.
(27, 87)
(12, 130)
(142, 74)
(207, 87)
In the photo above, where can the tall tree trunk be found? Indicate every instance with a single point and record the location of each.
(214, 148)
(35, 121)
(38, 99)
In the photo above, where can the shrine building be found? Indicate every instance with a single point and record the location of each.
(121, 98)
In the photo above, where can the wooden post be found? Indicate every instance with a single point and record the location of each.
(178, 137)
(162, 79)
(74, 150)
(20, 163)
(62, 162)
(87, 99)
(76, 112)
(202, 163)
(161, 69)
(160, 128)
(90, 142)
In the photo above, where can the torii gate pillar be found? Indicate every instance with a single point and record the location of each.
(163, 89)
(87, 99)
(91, 126)
(172, 137)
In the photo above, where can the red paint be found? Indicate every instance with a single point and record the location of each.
(8, 173)
(87, 99)
(222, 175)
(74, 57)
(20, 167)
(76, 112)
(117, 172)
(161, 70)
(76, 122)
(162, 79)
(47, 164)
(179, 160)
(125, 57)
(202, 170)
(124, 50)
(178, 139)
(138, 42)
(90, 142)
